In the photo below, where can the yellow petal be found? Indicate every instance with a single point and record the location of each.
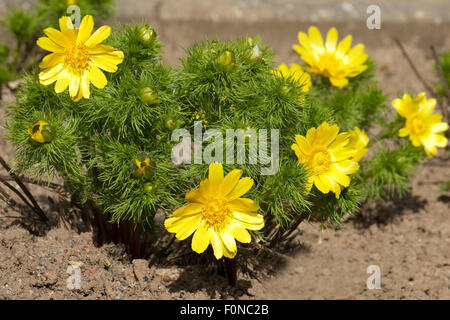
(243, 204)
(332, 38)
(311, 136)
(439, 127)
(205, 189)
(195, 196)
(215, 174)
(57, 37)
(216, 243)
(63, 81)
(303, 39)
(200, 240)
(86, 27)
(98, 36)
(360, 154)
(50, 72)
(326, 134)
(242, 187)
(106, 62)
(65, 24)
(102, 49)
(183, 227)
(51, 60)
(346, 166)
(323, 187)
(427, 106)
(241, 234)
(47, 44)
(188, 210)
(74, 86)
(339, 82)
(343, 47)
(315, 39)
(97, 77)
(303, 144)
(230, 181)
(250, 226)
(298, 153)
(403, 132)
(339, 177)
(354, 52)
(334, 186)
(85, 83)
(229, 244)
(248, 217)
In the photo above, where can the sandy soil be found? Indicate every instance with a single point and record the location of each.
(407, 239)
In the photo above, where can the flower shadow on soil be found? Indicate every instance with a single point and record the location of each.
(203, 273)
(383, 213)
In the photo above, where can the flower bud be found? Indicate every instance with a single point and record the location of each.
(172, 124)
(147, 34)
(226, 60)
(285, 90)
(149, 96)
(150, 187)
(40, 132)
(143, 166)
(254, 54)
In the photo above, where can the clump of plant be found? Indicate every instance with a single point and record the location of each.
(147, 139)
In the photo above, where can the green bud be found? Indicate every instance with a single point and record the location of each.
(172, 124)
(150, 187)
(226, 60)
(285, 90)
(147, 34)
(149, 96)
(254, 54)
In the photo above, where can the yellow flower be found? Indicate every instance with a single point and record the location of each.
(422, 126)
(333, 60)
(40, 132)
(77, 57)
(358, 141)
(217, 213)
(327, 156)
(296, 73)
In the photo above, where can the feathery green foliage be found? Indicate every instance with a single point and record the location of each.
(225, 85)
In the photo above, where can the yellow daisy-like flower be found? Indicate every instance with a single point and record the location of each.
(328, 156)
(296, 73)
(77, 57)
(422, 125)
(40, 132)
(358, 141)
(333, 60)
(217, 213)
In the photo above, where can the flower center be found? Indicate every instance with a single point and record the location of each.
(320, 161)
(329, 64)
(215, 212)
(417, 125)
(77, 58)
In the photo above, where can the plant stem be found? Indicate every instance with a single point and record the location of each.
(413, 67)
(231, 270)
(25, 190)
(444, 104)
